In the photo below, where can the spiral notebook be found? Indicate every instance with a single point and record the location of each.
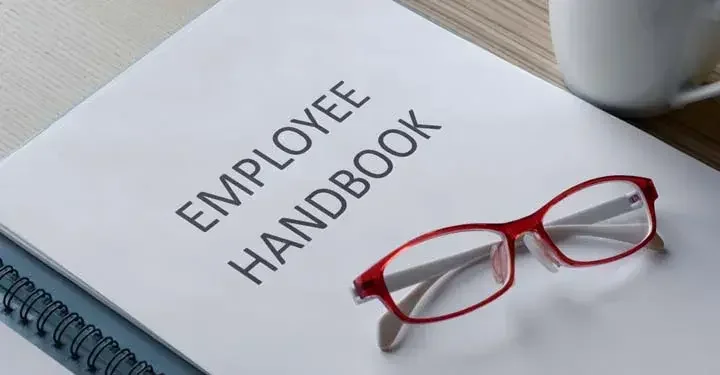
(68, 324)
(35, 309)
(222, 194)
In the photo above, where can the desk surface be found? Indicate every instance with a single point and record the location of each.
(54, 54)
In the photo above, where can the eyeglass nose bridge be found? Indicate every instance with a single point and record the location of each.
(540, 250)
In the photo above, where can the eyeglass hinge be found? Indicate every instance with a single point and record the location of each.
(357, 298)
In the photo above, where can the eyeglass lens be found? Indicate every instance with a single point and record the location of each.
(474, 281)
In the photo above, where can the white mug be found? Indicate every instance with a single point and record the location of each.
(637, 57)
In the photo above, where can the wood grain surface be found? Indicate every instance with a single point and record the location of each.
(55, 53)
(518, 31)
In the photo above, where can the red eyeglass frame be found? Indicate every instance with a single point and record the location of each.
(371, 282)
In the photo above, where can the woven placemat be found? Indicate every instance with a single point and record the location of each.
(55, 53)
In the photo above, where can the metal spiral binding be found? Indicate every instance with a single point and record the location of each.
(67, 329)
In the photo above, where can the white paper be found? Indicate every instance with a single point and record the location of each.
(96, 195)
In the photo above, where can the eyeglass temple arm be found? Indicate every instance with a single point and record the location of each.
(630, 233)
(389, 325)
(411, 276)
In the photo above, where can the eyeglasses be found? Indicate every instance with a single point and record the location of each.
(593, 223)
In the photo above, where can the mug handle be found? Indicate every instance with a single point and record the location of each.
(701, 92)
(695, 94)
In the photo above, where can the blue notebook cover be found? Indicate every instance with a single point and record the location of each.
(71, 326)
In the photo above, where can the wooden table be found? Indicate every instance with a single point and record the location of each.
(518, 31)
(54, 54)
